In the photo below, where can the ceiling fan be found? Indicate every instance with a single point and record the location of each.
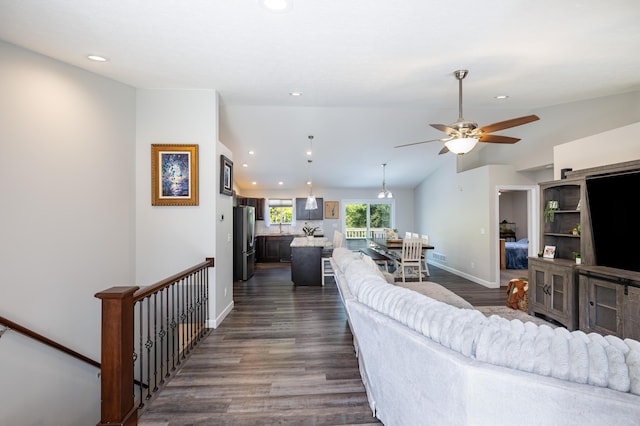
(463, 135)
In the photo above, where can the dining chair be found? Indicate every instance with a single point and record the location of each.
(411, 256)
(425, 242)
(327, 270)
(407, 234)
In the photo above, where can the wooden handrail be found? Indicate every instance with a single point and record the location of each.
(40, 338)
(147, 291)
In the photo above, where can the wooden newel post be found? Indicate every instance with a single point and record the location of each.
(117, 398)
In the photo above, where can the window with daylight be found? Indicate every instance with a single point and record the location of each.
(280, 211)
(363, 218)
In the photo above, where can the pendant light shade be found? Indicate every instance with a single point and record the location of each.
(384, 193)
(311, 203)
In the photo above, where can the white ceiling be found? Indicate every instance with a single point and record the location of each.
(373, 73)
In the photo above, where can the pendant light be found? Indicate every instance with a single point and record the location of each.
(384, 193)
(311, 203)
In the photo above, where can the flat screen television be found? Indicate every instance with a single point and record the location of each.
(614, 219)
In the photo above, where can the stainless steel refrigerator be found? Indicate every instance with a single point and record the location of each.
(244, 242)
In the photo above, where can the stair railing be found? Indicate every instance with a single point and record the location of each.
(146, 335)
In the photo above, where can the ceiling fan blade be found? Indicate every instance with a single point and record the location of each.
(485, 137)
(490, 128)
(417, 143)
(448, 130)
(444, 150)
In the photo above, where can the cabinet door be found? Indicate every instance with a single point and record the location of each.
(302, 214)
(260, 253)
(537, 288)
(285, 249)
(602, 312)
(272, 249)
(260, 208)
(559, 280)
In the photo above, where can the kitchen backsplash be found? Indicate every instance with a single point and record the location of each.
(261, 229)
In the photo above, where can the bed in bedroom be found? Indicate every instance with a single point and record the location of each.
(514, 255)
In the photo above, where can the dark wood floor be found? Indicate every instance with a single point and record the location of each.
(284, 355)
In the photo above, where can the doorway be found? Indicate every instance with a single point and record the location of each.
(516, 210)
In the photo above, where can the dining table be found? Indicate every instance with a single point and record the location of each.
(392, 247)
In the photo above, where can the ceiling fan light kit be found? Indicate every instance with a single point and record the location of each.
(462, 136)
(461, 145)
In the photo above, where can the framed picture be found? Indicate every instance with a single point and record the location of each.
(331, 209)
(549, 252)
(174, 175)
(226, 176)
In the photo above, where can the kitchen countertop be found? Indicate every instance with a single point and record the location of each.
(311, 242)
(285, 235)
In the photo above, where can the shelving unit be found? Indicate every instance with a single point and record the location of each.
(559, 232)
(553, 289)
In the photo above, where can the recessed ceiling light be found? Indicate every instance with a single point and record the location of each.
(98, 58)
(251, 152)
(502, 97)
(276, 5)
(254, 183)
(245, 165)
(281, 183)
(295, 94)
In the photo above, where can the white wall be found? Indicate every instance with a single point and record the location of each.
(170, 239)
(458, 211)
(222, 295)
(613, 146)
(67, 218)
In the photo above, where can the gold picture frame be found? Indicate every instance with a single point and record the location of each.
(174, 175)
(331, 209)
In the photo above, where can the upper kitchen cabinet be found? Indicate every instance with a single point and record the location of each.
(258, 203)
(302, 214)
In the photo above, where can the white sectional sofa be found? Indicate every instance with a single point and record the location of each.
(426, 362)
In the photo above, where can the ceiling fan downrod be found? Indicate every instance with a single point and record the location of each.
(460, 75)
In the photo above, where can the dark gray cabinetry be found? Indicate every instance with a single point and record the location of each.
(274, 248)
(552, 290)
(258, 203)
(306, 268)
(302, 214)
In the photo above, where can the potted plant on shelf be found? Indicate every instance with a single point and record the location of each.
(309, 230)
(550, 210)
(577, 257)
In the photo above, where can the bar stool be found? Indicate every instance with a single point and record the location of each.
(327, 270)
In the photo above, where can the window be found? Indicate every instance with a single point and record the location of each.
(280, 211)
(363, 218)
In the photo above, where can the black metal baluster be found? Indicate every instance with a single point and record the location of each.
(139, 356)
(148, 345)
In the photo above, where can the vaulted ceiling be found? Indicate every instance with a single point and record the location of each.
(372, 74)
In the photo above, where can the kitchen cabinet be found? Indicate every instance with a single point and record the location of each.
(552, 290)
(274, 248)
(257, 203)
(302, 214)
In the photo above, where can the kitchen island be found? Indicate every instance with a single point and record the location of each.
(306, 254)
